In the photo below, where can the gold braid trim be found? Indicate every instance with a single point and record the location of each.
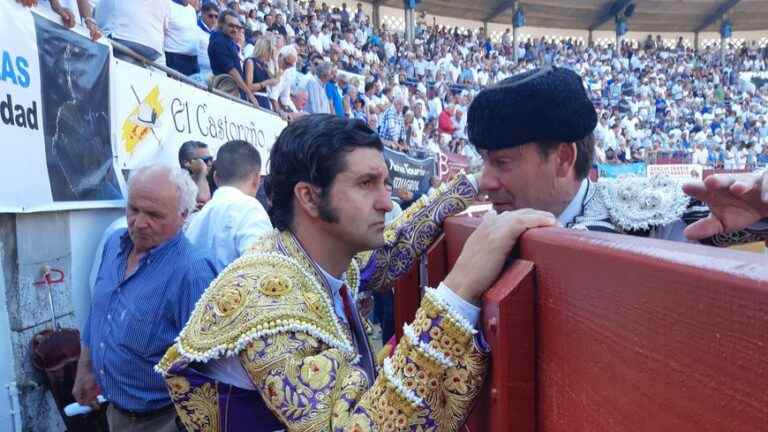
(450, 323)
(257, 295)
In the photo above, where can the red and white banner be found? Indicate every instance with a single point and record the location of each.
(451, 165)
(688, 171)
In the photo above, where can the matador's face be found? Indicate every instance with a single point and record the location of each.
(358, 200)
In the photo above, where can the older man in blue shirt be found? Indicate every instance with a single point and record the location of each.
(147, 286)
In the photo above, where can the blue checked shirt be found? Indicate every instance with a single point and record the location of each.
(133, 320)
(391, 125)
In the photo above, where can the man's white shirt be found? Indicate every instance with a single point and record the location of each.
(228, 225)
(139, 21)
(182, 32)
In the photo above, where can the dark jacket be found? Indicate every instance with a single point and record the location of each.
(224, 54)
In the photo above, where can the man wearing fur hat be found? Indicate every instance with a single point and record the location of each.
(535, 132)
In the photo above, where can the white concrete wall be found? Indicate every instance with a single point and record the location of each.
(85, 230)
(10, 420)
(61, 240)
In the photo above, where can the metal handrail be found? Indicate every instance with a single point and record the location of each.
(83, 31)
(117, 46)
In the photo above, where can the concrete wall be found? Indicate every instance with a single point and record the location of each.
(62, 240)
(9, 407)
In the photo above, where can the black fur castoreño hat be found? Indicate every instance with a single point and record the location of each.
(542, 105)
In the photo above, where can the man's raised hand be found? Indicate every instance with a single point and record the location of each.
(486, 250)
(735, 201)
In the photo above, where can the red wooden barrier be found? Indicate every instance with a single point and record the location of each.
(407, 299)
(408, 287)
(508, 401)
(646, 335)
(601, 332)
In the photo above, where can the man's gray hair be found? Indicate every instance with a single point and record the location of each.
(323, 69)
(289, 50)
(185, 187)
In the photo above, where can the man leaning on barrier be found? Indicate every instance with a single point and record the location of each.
(277, 342)
(225, 54)
(535, 131)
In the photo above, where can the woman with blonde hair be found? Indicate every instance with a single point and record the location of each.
(257, 75)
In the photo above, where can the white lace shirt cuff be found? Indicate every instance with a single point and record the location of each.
(462, 307)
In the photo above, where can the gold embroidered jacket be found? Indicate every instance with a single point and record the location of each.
(272, 311)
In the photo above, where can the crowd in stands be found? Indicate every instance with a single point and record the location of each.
(653, 97)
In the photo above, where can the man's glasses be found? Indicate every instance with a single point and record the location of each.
(206, 159)
(213, 15)
(235, 26)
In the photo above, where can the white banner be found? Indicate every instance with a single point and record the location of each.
(54, 117)
(153, 115)
(676, 171)
(20, 113)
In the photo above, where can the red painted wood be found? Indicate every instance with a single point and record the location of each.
(436, 263)
(508, 327)
(408, 287)
(457, 230)
(643, 335)
(407, 299)
(622, 334)
(508, 399)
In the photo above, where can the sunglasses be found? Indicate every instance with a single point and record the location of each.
(206, 159)
(212, 15)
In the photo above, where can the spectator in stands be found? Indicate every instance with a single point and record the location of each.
(225, 53)
(196, 159)
(207, 24)
(281, 92)
(318, 99)
(139, 25)
(762, 158)
(315, 41)
(182, 38)
(334, 96)
(392, 124)
(232, 221)
(147, 286)
(610, 156)
(70, 12)
(435, 104)
(729, 158)
(700, 155)
(299, 97)
(279, 25)
(257, 72)
(373, 121)
(446, 121)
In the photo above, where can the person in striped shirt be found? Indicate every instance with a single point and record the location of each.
(148, 283)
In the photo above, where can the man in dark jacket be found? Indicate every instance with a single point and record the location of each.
(225, 53)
